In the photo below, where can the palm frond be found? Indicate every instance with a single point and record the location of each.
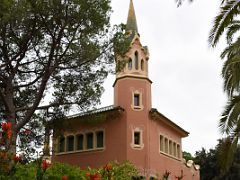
(228, 11)
(231, 50)
(231, 68)
(232, 29)
(179, 2)
(231, 75)
(230, 116)
(226, 152)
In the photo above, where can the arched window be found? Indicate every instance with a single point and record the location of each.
(90, 140)
(80, 142)
(100, 137)
(61, 147)
(142, 65)
(130, 64)
(136, 60)
(70, 143)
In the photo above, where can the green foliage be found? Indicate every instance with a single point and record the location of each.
(228, 20)
(124, 171)
(187, 156)
(26, 172)
(211, 162)
(229, 122)
(120, 171)
(56, 52)
(228, 11)
(58, 170)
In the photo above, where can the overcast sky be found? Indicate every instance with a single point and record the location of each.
(186, 73)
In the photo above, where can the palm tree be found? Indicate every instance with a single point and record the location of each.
(227, 20)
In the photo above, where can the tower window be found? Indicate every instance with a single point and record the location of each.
(142, 65)
(136, 100)
(130, 64)
(70, 143)
(137, 137)
(90, 141)
(99, 136)
(80, 142)
(62, 144)
(137, 140)
(136, 60)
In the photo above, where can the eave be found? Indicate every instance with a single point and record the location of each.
(93, 117)
(155, 115)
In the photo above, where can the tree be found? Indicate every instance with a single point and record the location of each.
(187, 156)
(227, 21)
(54, 55)
(211, 166)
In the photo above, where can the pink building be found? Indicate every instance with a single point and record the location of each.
(128, 130)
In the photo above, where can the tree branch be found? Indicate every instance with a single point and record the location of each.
(46, 106)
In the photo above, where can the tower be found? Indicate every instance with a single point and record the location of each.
(132, 81)
(132, 92)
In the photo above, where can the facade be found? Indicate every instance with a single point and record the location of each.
(128, 130)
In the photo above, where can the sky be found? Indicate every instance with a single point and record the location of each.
(186, 73)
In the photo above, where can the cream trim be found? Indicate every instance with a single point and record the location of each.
(140, 107)
(84, 133)
(137, 146)
(173, 148)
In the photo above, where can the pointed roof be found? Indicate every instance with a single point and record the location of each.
(131, 21)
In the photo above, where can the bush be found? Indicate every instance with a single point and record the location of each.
(57, 171)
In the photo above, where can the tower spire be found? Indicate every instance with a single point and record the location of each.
(131, 21)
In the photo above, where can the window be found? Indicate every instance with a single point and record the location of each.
(166, 145)
(137, 140)
(80, 142)
(136, 100)
(89, 140)
(142, 65)
(178, 151)
(62, 144)
(161, 143)
(99, 136)
(137, 104)
(130, 64)
(70, 143)
(136, 60)
(174, 150)
(170, 148)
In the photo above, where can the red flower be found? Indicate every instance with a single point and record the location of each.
(88, 174)
(17, 158)
(108, 167)
(96, 176)
(6, 126)
(45, 165)
(9, 134)
(64, 177)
